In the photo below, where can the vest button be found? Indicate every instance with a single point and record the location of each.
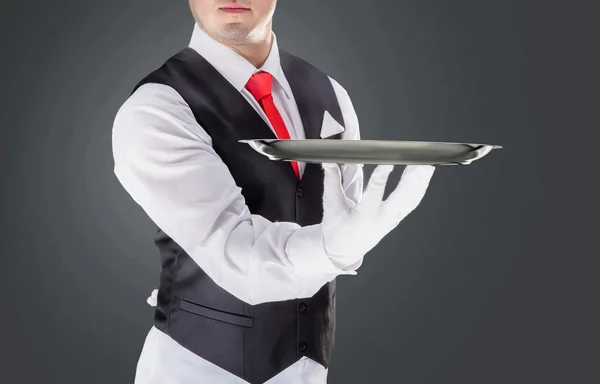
(303, 346)
(302, 308)
(300, 192)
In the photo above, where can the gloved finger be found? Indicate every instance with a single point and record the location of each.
(334, 197)
(410, 190)
(376, 187)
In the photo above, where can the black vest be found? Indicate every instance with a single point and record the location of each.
(252, 342)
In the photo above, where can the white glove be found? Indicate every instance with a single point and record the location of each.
(353, 230)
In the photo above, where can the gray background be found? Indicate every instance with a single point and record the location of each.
(491, 280)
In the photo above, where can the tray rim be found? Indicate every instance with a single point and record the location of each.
(248, 141)
(477, 151)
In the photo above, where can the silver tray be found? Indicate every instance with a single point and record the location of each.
(371, 151)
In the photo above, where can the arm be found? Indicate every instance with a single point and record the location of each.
(355, 221)
(165, 161)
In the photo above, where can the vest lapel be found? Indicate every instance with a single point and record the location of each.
(306, 96)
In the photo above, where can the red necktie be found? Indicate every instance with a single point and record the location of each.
(260, 86)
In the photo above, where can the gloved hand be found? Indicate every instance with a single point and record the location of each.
(353, 230)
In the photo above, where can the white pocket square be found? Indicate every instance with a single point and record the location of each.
(330, 126)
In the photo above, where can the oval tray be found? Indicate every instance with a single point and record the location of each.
(371, 151)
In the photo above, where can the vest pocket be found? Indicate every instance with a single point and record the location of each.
(226, 317)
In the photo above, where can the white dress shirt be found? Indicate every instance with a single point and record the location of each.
(164, 159)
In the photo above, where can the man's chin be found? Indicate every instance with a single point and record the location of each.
(237, 34)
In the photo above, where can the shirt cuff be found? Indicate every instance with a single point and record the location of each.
(306, 251)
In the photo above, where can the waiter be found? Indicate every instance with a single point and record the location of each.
(250, 247)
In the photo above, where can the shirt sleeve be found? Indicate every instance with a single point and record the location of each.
(165, 161)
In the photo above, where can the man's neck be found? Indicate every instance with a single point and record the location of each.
(256, 52)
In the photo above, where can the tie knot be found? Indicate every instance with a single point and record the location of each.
(260, 85)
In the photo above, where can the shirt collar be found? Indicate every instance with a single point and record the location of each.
(235, 68)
